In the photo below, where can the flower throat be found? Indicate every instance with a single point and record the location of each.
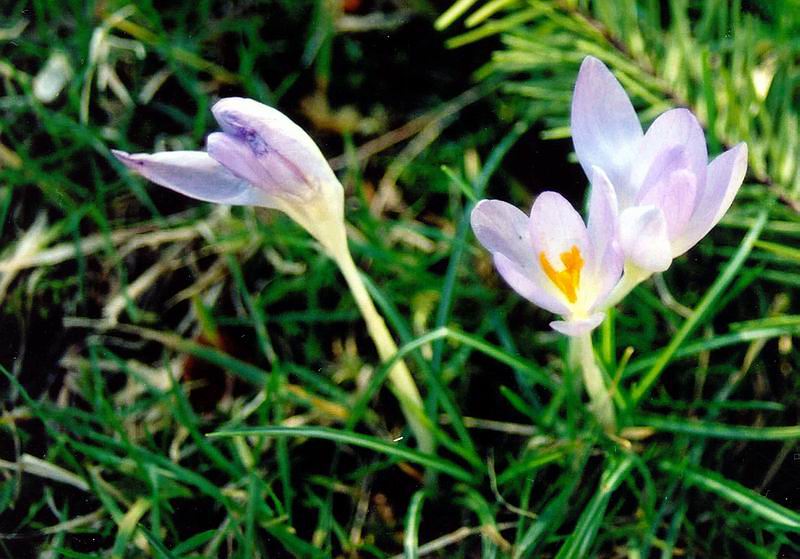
(568, 279)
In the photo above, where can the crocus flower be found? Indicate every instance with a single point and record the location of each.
(261, 158)
(669, 195)
(552, 258)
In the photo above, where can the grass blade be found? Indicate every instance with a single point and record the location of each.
(736, 493)
(674, 424)
(413, 520)
(716, 290)
(355, 439)
(580, 541)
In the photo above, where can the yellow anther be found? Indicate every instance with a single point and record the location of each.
(568, 279)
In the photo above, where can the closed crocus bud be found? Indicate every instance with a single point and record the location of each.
(669, 195)
(261, 158)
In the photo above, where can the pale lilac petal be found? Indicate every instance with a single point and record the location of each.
(602, 224)
(195, 174)
(674, 136)
(644, 238)
(234, 113)
(503, 228)
(266, 169)
(605, 129)
(578, 327)
(531, 287)
(555, 227)
(725, 175)
(675, 193)
(268, 131)
(604, 234)
(723, 180)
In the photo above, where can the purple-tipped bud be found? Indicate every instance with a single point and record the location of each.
(261, 158)
(265, 147)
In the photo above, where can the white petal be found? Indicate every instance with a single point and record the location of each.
(266, 170)
(723, 180)
(602, 226)
(532, 288)
(555, 227)
(604, 233)
(503, 228)
(195, 174)
(578, 327)
(644, 238)
(605, 129)
(726, 175)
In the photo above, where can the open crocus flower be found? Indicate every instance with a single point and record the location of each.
(669, 195)
(552, 258)
(261, 158)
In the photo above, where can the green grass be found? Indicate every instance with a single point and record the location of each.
(181, 380)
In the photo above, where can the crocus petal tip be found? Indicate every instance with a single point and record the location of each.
(479, 207)
(592, 63)
(128, 159)
(226, 102)
(594, 71)
(742, 157)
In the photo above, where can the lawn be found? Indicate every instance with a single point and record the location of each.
(183, 379)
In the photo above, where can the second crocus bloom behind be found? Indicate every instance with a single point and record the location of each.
(669, 196)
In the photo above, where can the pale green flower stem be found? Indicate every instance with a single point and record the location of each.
(600, 400)
(601, 403)
(402, 383)
(326, 223)
(400, 379)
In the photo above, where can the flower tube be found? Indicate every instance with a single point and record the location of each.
(262, 158)
(669, 195)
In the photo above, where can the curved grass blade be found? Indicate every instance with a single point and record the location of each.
(580, 541)
(355, 439)
(734, 338)
(535, 373)
(157, 546)
(674, 424)
(525, 367)
(359, 408)
(434, 385)
(530, 463)
(413, 520)
(702, 310)
(459, 242)
(736, 493)
(549, 520)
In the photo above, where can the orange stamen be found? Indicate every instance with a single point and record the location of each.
(568, 279)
